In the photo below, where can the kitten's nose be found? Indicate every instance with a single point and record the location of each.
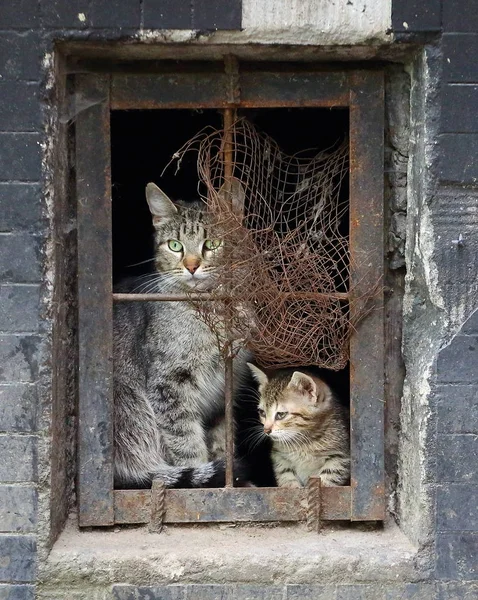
(267, 430)
(191, 264)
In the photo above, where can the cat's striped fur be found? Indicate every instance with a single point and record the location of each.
(168, 371)
(307, 426)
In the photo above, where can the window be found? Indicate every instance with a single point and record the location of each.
(247, 87)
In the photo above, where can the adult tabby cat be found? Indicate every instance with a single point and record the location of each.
(307, 426)
(168, 371)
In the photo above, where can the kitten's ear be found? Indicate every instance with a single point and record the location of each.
(305, 385)
(160, 205)
(235, 194)
(258, 375)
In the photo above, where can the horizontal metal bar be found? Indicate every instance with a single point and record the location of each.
(169, 90)
(211, 90)
(342, 297)
(163, 297)
(290, 89)
(222, 505)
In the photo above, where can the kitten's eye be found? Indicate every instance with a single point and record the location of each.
(281, 415)
(212, 244)
(175, 245)
(262, 413)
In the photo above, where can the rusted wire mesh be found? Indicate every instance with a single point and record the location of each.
(283, 271)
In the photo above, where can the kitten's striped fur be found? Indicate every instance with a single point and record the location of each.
(307, 426)
(168, 371)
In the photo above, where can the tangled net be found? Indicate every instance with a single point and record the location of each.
(283, 275)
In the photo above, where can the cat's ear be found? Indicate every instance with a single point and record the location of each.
(304, 385)
(160, 205)
(258, 375)
(235, 194)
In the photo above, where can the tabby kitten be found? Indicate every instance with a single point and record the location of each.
(307, 426)
(168, 370)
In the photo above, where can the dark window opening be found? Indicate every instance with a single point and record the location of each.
(142, 144)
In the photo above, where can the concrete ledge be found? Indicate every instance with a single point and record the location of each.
(228, 555)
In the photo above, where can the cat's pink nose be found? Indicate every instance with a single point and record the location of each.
(191, 264)
(267, 429)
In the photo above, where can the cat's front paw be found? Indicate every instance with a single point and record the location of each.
(290, 484)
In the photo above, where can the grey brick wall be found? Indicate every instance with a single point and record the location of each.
(21, 242)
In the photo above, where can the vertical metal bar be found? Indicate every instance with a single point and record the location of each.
(93, 189)
(229, 416)
(231, 67)
(228, 373)
(366, 250)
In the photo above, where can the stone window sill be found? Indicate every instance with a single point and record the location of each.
(260, 555)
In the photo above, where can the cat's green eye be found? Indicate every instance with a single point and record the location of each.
(281, 415)
(212, 244)
(175, 246)
(262, 413)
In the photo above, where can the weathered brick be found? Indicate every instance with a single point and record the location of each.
(471, 325)
(457, 591)
(217, 14)
(359, 592)
(463, 19)
(459, 114)
(310, 592)
(20, 55)
(456, 458)
(20, 207)
(459, 54)
(21, 14)
(458, 362)
(19, 458)
(208, 592)
(18, 407)
(411, 591)
(127, 14)
(20, 109)
(19, 357)
(19, 306)
(17, 592)
(457, 152)
(18, 509)
(17, 558)
(457, 507)
(73, 14)
(258, 592)
(20, 157)
(456, 556)
(167, 14)
(160, 592)
(20, 258)
(416, 15)
(457, 408)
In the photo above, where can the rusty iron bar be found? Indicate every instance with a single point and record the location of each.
(314, 504)
(162, 297)
(367, 340)
(95, 332)
(229, 115)
(229, 417)
(343, 297)
(158, 506)
(223, 505)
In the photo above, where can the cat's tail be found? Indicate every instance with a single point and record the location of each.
(208, 475)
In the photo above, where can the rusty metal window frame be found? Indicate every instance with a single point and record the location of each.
(362, 92)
